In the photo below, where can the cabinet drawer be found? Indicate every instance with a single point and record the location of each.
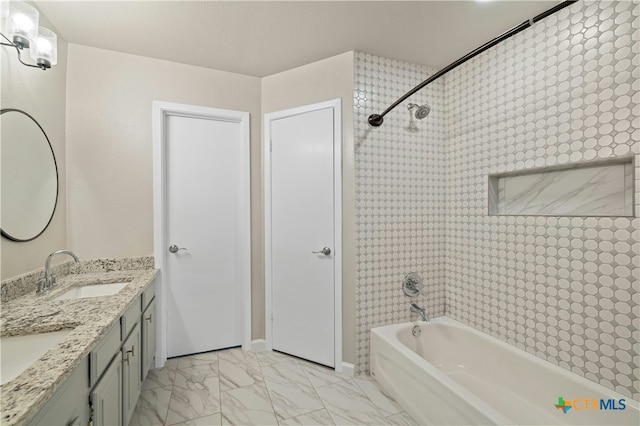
(103, 353)
(148, 294)
(130, 318)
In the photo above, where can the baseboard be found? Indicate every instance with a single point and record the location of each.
(348, 369)
(258, 345)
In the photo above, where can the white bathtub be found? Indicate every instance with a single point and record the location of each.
(453, 374)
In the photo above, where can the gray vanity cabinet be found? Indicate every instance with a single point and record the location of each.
(131, 368)
(106, 397)
(114, 398)
(148, 338)
(110, 378)
(68, 406)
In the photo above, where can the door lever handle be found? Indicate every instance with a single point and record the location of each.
(174, 248)
(325, 250)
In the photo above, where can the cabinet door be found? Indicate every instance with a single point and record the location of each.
(131, 367)
(148, 338)
(106, 398)
(70, 404)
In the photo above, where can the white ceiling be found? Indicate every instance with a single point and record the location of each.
(261, 38)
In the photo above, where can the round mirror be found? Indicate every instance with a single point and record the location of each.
(29, 176)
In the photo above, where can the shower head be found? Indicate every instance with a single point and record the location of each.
(421, 110)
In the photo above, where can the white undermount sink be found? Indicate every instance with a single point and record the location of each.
(17, 353)
(94, 290)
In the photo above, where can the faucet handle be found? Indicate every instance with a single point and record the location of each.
(40, 283)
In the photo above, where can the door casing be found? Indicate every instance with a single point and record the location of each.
(160, 110)
(336, 105)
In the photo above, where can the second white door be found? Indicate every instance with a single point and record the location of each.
(302, 245)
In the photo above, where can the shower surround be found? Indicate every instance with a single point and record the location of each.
(562, 288)
(401, 191)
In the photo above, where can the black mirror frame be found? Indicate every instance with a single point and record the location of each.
(55, 165)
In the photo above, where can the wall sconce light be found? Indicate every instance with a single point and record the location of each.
(19, 27)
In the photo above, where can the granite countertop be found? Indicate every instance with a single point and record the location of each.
(90, 318)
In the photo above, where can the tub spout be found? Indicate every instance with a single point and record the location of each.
(418, 310)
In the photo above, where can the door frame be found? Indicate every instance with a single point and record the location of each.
(160, 110)
(336, 104)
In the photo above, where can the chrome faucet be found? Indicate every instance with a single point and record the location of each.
(47, 282)
(418, 310)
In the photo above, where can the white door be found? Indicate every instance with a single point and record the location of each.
(302, 226)
(206, 218)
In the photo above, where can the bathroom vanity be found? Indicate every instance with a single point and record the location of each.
(93, 371)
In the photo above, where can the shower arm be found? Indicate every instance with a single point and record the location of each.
(376, 120)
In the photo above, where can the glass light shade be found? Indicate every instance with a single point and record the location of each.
(45, 49)
(22, 23)
(4, 11)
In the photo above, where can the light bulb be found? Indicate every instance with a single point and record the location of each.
(22, 23)
(43, 45)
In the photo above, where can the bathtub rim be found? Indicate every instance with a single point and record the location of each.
(389, 333)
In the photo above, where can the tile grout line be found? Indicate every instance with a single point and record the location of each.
(166, 415)
(173, 385)
(304, 372)
(273, 409)
(373, 403)
(219, 387)
(192, 366)
(320, 398)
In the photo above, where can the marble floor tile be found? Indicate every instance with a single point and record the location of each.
(321, 376)
(238, 369)
(233, 387)
(249, 405)
(401, 419)
(171, 363)
(348, 405)
(214, 420)
(159, 377)
(320, 417)
(385, 404)
(285, 373)
(152, 406)
(197, 359)
(196, 393)
(290, 390)
(237, 355)
(273, 357)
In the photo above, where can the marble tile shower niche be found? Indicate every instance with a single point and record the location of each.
(600, 188)
(563, 287)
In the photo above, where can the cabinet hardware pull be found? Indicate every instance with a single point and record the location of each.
(148, 318)
(132, 351)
